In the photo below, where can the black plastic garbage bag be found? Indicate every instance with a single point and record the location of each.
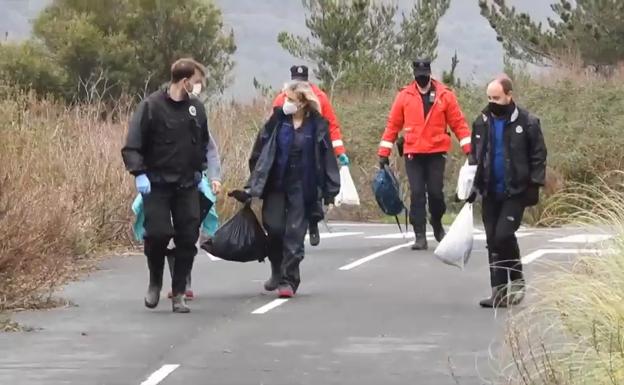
(240, 239)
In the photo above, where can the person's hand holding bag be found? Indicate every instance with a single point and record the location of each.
(240, 195)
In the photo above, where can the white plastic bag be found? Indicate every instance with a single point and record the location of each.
(348, 194)
(465, 181)
(456, 246)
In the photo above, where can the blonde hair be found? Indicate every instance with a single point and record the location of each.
(304, 92)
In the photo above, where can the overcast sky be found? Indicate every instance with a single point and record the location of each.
(256, 24)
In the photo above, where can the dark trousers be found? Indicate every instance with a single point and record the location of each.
(286, 223)
(425, 173)
(164, 205)
(502, 218)
(204, 208)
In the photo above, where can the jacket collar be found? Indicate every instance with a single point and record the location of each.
(436, 86)
(486, 114)
(278, 117)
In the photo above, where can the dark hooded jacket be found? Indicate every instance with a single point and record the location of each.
(524, 152)
(265, 165)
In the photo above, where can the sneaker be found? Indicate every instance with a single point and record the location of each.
(178, 304)
(285, 291)
(189, 295)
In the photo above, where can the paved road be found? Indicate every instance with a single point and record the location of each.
(396, 317)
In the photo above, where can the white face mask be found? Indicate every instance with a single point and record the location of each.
(197, 89)
(289, 107)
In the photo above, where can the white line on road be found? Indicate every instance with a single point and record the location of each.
(542, 252)
(270, 306)
(354, 224)
(406, 235)
(213, 258)
(160, 375)
(482, 237)
(337, 234)
(583, 238)
(376, 255)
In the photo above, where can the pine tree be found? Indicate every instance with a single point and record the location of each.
(591, 29)
(356, 43)
(418, 36)
(345, 34)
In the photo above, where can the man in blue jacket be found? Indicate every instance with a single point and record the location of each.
(509, 151)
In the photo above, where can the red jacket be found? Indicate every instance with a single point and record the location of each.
(425, 135)
(328, 113)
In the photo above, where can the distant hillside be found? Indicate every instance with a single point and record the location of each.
(257, 23)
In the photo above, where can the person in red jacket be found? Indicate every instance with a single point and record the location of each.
(423, 110)
(300, 73)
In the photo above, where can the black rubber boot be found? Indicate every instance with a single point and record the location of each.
(517, 292)
(438, 229)
(153, 296)
(178, 303)
(497, 300)
(315, 237)
(420, 243)
(155, 286)
(273, 283)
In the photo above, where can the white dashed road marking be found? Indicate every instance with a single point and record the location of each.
(213, 258)
(337, 235)
(542, 252)
(376, 255)
(160, 374)
(482, 237)
(409, 234)
(270, 306)
(583, 238)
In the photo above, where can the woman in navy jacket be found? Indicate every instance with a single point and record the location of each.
(294, 171)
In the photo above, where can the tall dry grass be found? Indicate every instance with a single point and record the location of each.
(64, 192)
(574, 333)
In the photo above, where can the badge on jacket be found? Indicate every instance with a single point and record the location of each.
(519, 130)
(192, 111)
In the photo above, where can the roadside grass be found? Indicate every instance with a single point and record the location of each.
(574, 333)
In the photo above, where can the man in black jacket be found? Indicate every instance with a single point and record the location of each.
(508, 148)
(166, 151)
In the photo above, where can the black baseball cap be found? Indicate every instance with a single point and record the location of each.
(422, 67)
(299, 72)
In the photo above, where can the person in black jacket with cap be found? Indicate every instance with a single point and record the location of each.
(509, 151)
(166, 151)
(293, 167)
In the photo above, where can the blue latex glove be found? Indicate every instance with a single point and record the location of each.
(343, 159)
(143, 184)
(203, 187)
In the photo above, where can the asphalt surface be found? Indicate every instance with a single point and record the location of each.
(396, 317)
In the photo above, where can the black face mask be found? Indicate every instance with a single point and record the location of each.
(501, 109)
(423, 80)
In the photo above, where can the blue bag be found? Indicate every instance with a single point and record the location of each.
(388, 194)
